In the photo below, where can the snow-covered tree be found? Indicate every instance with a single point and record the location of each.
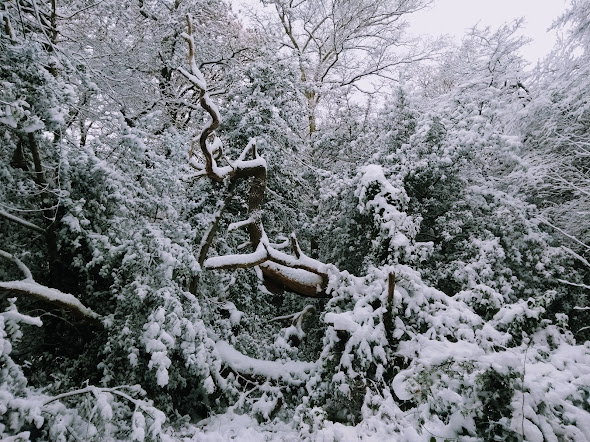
(173, 267)
(336, 44)
(556, 128)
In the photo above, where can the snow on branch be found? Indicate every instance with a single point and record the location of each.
(573, 238)
(241, 168)
(299, 274)
(298, 281)
(584, 286)
(290, 372)
(20, 221)
(297, 318)
(12, 314)
(306, 274)
(300, 261)
(30, 289)
(91, 389)
(283, 245)
(102, 404)
(576, 255)
(21, 266)
(240, 224)
(196, 76)
(251, 146)
(33, 290)
(243, 261)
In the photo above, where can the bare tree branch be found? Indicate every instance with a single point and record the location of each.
(340, 43)
(20, 221)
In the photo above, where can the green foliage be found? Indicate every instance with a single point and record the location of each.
(495, 394)
(453, 312)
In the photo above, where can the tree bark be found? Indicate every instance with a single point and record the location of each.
(388, 314)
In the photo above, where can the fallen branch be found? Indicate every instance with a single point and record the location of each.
(290, 372)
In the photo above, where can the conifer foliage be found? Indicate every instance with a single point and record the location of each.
(178, 262)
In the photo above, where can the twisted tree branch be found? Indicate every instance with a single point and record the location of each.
(299, 274)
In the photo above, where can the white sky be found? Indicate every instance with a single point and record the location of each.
(455, 17)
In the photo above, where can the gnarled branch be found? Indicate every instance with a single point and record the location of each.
(299, 274)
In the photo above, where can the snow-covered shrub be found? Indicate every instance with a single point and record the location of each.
(376, 230)
(95, 130)
(467, 376)
(16, 412)
(444, 371)
(141, 248)
(27, 413)
(357, 360)
(387, 203)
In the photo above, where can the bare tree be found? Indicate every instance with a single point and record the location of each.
(338, 43)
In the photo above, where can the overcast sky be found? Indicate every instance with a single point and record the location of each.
(456, 16)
